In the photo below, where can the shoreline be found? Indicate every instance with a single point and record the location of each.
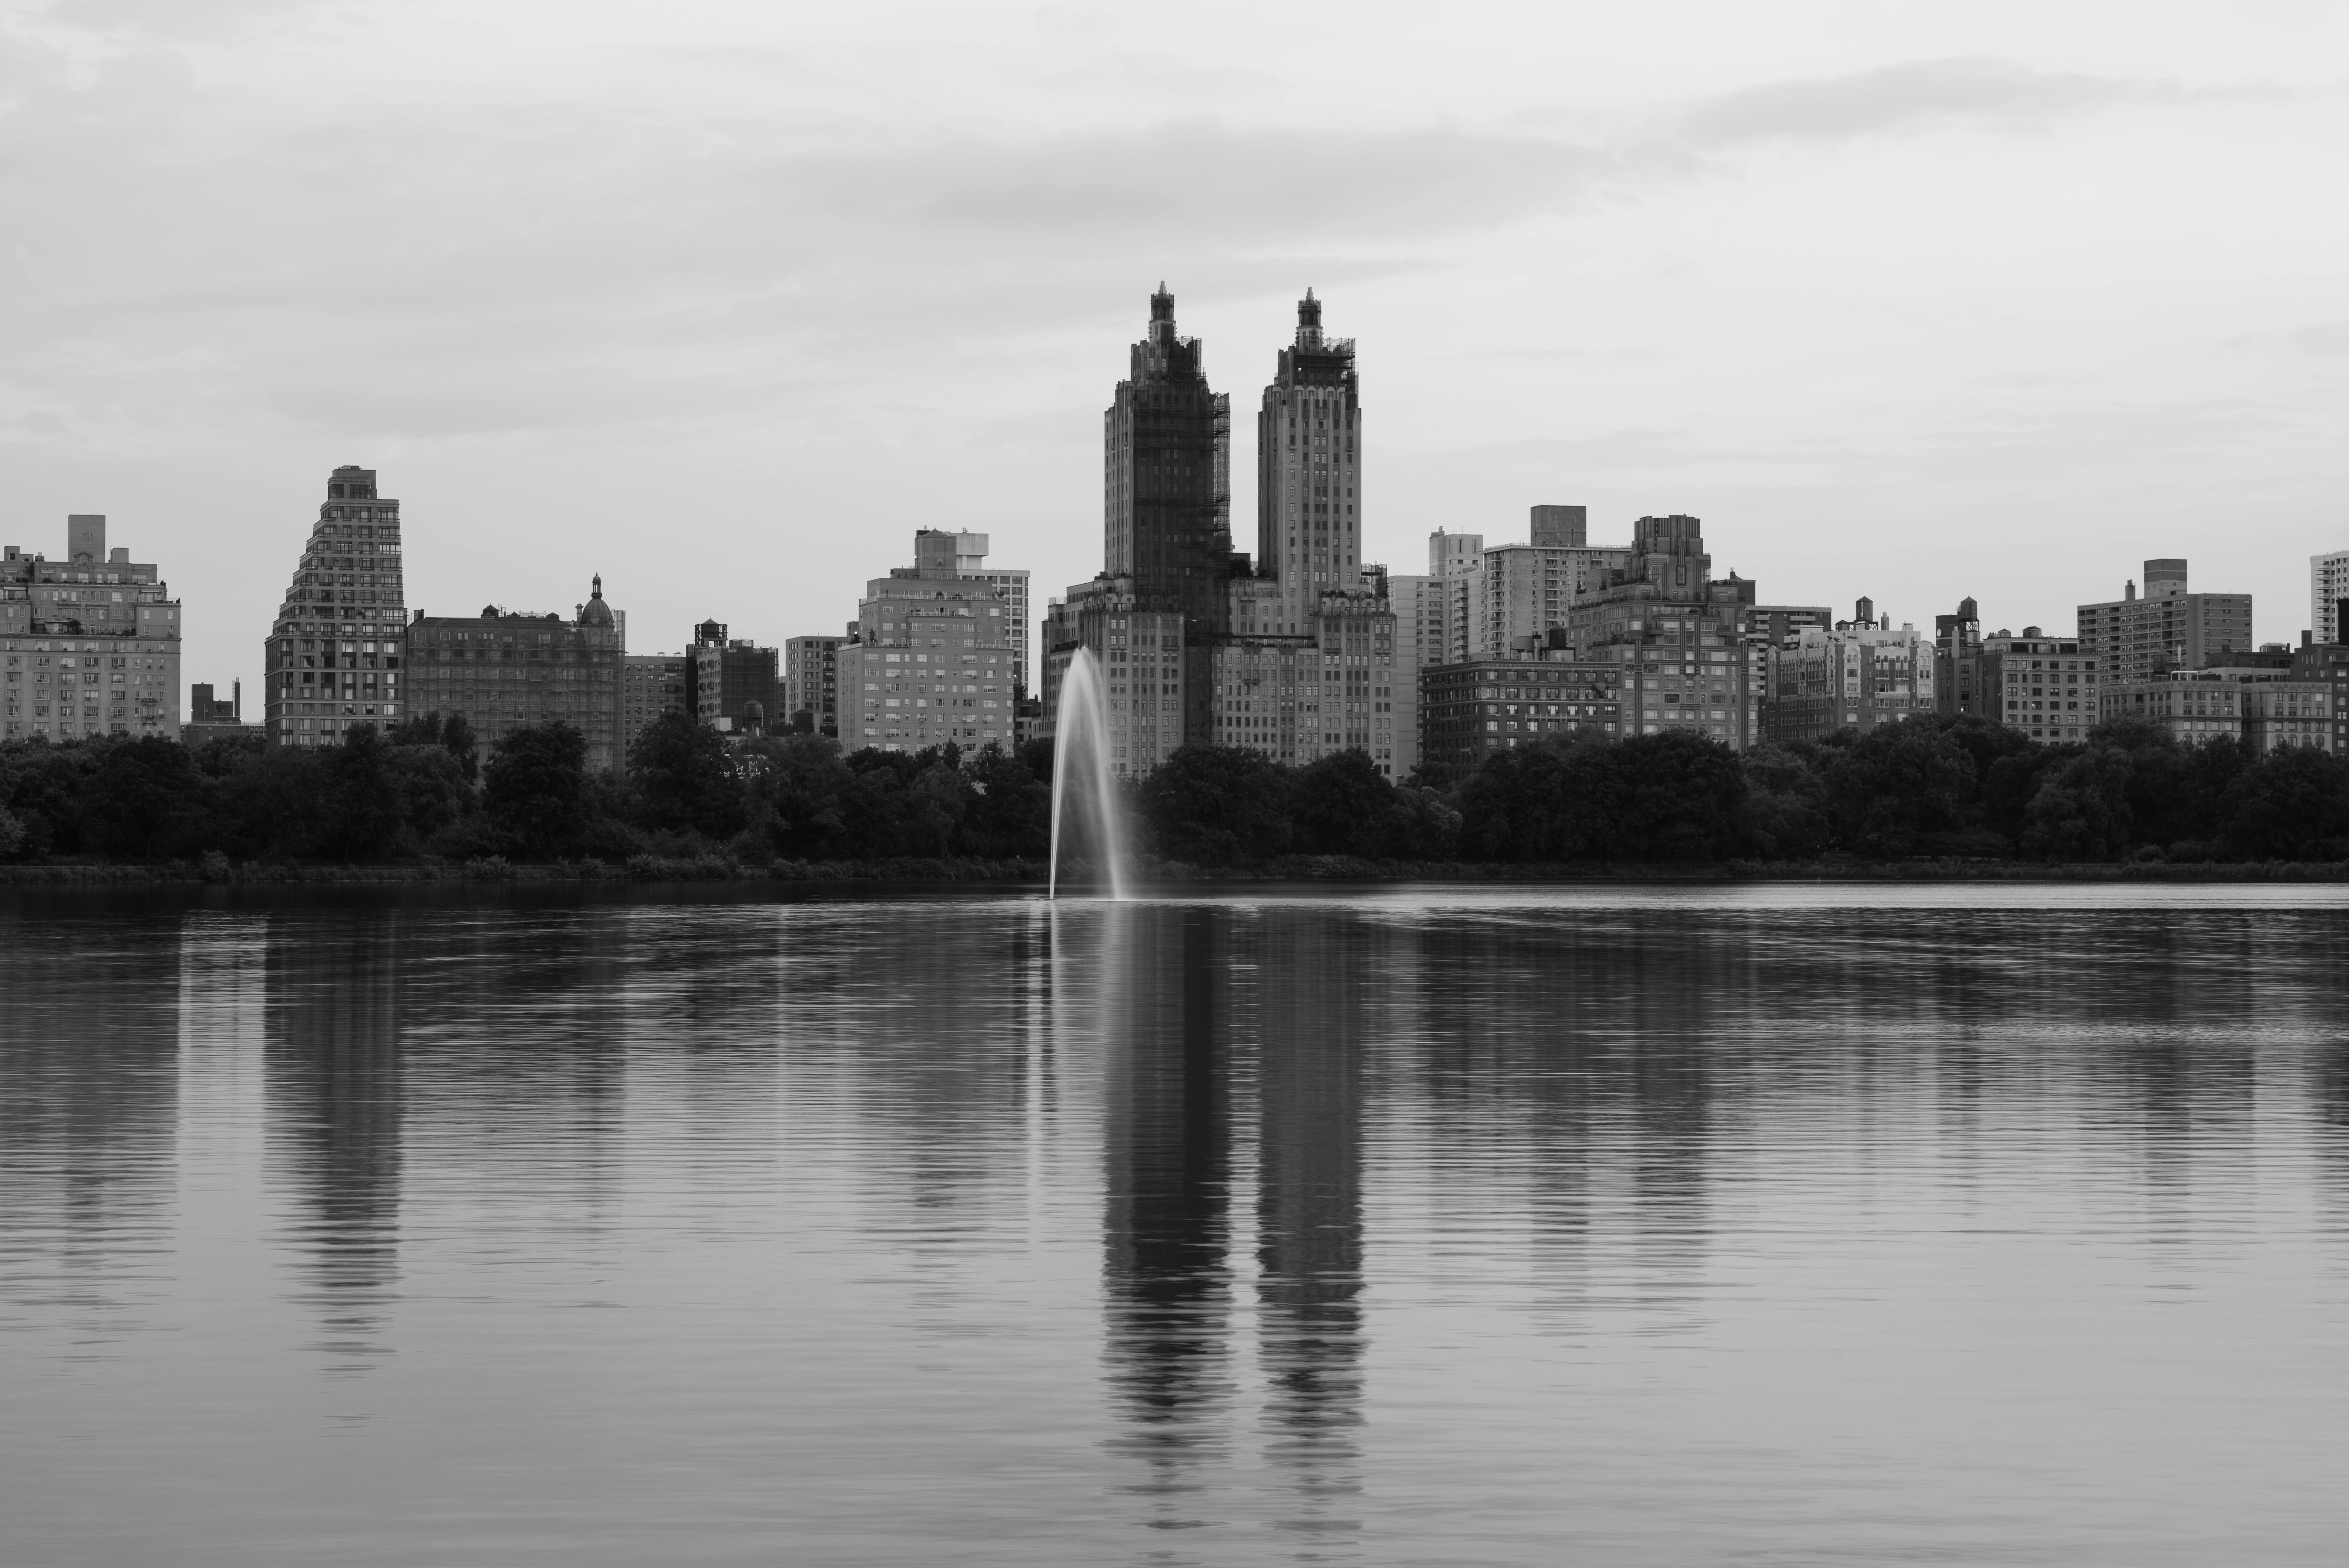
(653, 871)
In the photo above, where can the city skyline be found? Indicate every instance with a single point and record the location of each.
(1910, 306)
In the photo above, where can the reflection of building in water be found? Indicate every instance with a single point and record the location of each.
(1167, 1143)
(332, 1061)
(88, 1111)
(1318, 967)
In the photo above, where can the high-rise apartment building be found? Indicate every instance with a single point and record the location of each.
(1296, 657)
(733, 685)
(2168, 628)
(503, 670)
(932, 663)
(651, 684)
(1856, 674)
(938, 552)
(2328, 585)
(89, 645)
(333, 658)
(812, 674)
(1675, 637)
(1524, 590)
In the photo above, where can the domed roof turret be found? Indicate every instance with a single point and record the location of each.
(596, 613)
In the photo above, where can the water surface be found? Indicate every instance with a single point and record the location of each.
(1693, 1226)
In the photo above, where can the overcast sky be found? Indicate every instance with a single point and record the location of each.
(724, 300)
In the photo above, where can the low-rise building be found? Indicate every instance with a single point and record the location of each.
(214, 718)
(1857, 675)
(1472, 709)
(2281, 711)
(503, 670)
(89, 645)
(2328, 664)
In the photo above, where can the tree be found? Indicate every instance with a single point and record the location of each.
(1342, 805)
(795, 791)
(1680, 797)
(1541, 803)
(1217, 806)
(364, 807)
(431, 783)
(1008, 810)
(1785, 803)
(457, 734)
(43, 788)
(535, 785)
(144, 798)
(2081, 811)
(2286, 805)
(685, 777)
(1895, 783)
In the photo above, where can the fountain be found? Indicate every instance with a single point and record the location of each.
(1080, 767)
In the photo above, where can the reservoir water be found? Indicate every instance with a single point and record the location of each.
(1969, 1224)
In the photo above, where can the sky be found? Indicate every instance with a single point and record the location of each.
(723, 301)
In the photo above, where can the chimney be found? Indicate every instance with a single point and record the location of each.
(2129, 591)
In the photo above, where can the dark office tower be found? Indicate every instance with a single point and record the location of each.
(1309, 472)
(1168, 479)
(333, 658)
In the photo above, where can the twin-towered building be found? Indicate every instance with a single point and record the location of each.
(1292, 651)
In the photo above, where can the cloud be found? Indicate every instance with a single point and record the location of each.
(1924, 95)
(1246, 182)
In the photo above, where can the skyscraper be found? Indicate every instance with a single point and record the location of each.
(1166, 439)
(333, 658)
(1309, 471)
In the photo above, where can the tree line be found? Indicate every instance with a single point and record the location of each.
(1926, 788)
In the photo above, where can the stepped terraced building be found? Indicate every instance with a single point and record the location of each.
(333, 658)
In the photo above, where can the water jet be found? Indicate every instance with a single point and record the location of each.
(1082, 786)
